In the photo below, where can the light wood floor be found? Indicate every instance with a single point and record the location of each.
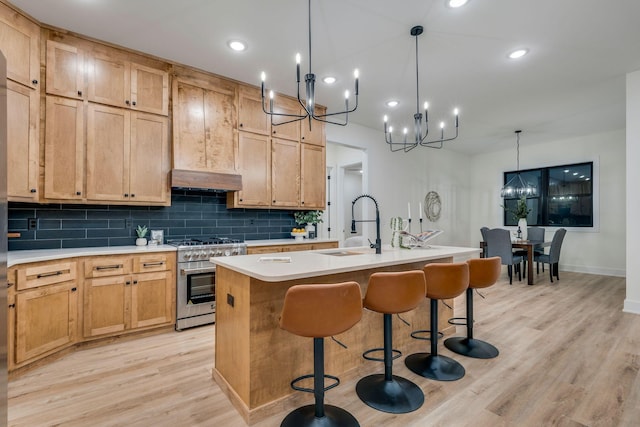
(568, 356)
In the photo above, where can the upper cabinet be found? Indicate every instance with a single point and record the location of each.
(204, 126)
(313, 133)
(282, 126)
(65, 70)
(251, 117)
(115, 81)
(19, 42)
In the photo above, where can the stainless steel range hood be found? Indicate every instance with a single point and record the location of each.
(181, 178)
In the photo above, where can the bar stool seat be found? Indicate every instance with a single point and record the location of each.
(483, 272)
(444, 281)
(319, 311)
(391, 293)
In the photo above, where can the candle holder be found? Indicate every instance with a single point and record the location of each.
(421, 225)
(409, 220)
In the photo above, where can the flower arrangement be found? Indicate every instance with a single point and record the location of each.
(308, 217)
(142, 230)
(521, 210)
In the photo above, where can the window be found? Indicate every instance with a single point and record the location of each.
(564, 199)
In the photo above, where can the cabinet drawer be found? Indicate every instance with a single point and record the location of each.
(107, 266)
(45, 274)
(149, 263)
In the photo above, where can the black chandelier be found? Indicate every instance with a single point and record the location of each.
(309, 103)
(420, 134)
(516, 185)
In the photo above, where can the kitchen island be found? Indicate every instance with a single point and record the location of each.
(255, 360)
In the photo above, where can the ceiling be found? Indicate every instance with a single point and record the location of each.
(571, 83)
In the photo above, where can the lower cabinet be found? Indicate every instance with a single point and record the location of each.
(267, 249)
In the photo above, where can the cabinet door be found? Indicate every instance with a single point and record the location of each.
(152, 301)
(220, 114)
(65, 70)
(313, 133)
(106, 305)
(108, 139)
(45, 320)
(64, 149)
(11, 318)
(285, 173)
(109, 81)
(290, 106)
(149, 89)
(254, 152)
(251, 118)
(22, 142)
(149, 158)
(312, 176)
(19, 42)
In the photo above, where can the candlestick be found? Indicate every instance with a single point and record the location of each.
(420, 210)
(409, 211)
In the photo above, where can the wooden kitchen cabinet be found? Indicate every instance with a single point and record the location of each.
(64, 143)
(46, 307)
(23, 116)
(151, 299)
(254, 164)
(315, 135)
(281, 126)
(312, 176)
(204, 126)
(251, 117)
(127, 156)
(65, 70)
(311, 245)
(285, 173)
(20, 44)
(121, 83)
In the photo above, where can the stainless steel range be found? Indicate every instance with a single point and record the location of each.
(196, 278)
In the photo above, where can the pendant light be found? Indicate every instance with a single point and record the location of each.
(517, 186)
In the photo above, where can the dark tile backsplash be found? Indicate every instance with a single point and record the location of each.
(191, 214)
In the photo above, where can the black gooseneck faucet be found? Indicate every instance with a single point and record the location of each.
(378, 244)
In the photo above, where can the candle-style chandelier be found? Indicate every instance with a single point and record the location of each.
(308, 104)
(516, 185)
(420, 134)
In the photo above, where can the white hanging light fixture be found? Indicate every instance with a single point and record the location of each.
(420, 133)
(517, 186)
(308, 103)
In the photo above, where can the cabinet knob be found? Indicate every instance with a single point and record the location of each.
(133, 103)
(274, 132)
(12, 305)
(274, 201)
(9, 284)
(74, 289)
(78, 193)
(302, 203)
(34, 81)
(128, 282)
(240, 199)
(302, 137)
(133, 195)
(79, 93)
(135, 282)
(33, 190)
(127, 102)
(241, 125)
(126, 195)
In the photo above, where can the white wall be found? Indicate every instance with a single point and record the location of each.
(632, 301)
(599, 250)
(395, 179)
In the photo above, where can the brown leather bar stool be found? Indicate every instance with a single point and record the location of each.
(444, 281)
(319, 311)
(483, 272)
(391, 293)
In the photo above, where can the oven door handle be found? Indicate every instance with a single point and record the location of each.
(185, 271)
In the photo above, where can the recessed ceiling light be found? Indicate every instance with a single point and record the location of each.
(329, 80)
(392, 103)
(518, 53)
(237, 45)
(456, 3)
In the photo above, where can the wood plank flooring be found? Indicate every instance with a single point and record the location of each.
(568, 356)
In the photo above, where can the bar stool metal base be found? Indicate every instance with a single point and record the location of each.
(397, 396)
(471, 347)
(435, 367)
(305, 416)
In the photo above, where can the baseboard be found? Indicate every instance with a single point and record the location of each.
(631, 306)
(603, 271)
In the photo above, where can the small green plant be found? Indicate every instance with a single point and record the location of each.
(142, 230)
(521, 210)
(308, 217)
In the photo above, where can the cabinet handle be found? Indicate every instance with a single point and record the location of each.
(126, 194)
(151, 264)
(133, 195)
(135, 282)
(79, 93)
(127, 102)
(34, 81)
(274, 201)
(240, 199)
(241, 125)
(78, 193)
(12, 305)
(302, 203)
(128, 282)
(33, 190)
(55, 273)
(74, 289)
(108, 267)
(133, 103)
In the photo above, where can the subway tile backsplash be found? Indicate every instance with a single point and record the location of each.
(192, 214)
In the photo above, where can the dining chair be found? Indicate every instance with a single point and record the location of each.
(483, 231)
(499, 244)
(553, 257)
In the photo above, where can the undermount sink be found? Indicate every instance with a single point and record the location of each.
(342, 253)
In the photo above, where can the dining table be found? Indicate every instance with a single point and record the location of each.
(530, 246)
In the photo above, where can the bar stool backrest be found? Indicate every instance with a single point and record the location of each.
(484, 272)
(318, 311)
(395, 292)
(446, 280)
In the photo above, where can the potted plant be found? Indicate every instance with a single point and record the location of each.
(520, 213)
(141, 231)
(310, 218)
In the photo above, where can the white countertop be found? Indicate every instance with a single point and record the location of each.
(35, 255)
(317, 263)
(292, 241)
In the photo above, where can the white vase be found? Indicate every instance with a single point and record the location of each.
(311, 231)
(522, 225)
(141, 241)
